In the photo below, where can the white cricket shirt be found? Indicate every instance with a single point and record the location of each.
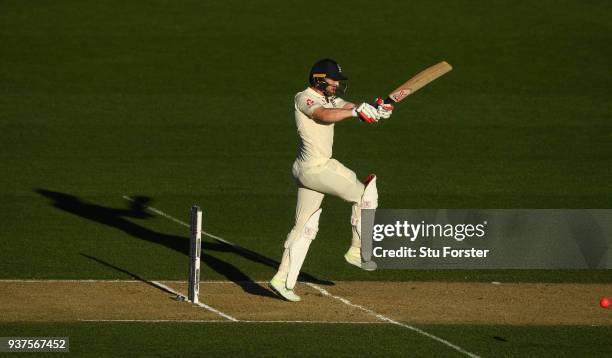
(316, 138)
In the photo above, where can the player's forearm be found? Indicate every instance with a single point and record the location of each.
(333, 115)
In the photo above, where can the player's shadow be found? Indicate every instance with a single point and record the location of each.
(118, 218)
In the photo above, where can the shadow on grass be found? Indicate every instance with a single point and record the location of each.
(246, 283)
(132, 275)
(118, 218)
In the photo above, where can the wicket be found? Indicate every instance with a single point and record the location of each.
(195, 247)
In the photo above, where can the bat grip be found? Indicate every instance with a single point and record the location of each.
(387, 100)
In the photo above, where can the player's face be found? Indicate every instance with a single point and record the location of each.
(332, 86)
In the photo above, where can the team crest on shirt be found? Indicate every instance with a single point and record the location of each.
(309, 102)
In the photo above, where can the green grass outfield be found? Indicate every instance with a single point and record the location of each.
(316, 340)
(191, 102)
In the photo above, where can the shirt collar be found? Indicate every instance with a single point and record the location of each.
(315, 93)
(322, 96)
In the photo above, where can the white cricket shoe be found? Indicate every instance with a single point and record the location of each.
(353, 257)
(279, 288)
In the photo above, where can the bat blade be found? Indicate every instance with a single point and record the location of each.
(417, 82)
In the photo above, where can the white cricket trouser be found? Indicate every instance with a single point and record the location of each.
(314, 182)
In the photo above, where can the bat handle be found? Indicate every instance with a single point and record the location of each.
(387, 100)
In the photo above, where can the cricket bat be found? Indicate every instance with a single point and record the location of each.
(417, 82)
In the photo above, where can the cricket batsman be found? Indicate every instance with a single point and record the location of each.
(316, 173)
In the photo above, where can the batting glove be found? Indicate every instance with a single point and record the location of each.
(366, 112)
(384, 110)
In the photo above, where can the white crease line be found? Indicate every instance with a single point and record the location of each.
(325, 293)
(122, 281)
(200, 304)
(158, 320)
(237, 282)
(222, 281)
(69, 281)
(392, 321)
(181, 222)
(160, 213)
(178, 221)
(317, 322)
(225, 321)
(155, 283)
(166, 288)
(204, 305)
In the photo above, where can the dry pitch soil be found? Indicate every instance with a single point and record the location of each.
(410, 302)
